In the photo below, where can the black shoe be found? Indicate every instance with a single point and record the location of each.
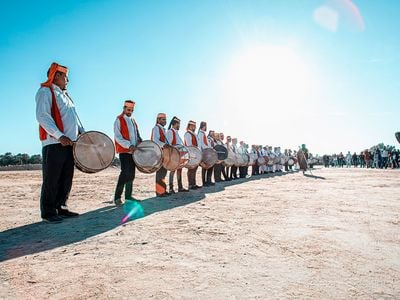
(211, 183)
(53, 220)
(171, 191)
(194, 187)
(166, 194)
(182, 190)
(118, 202)
(65, 213)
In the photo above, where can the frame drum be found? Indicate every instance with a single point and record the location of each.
(271, 159)
(261, 161)
(194, 157)
(252, 159)
(93, 151)
(222, 152)
(230, 160)
(209, 157)
(175, 157)
(148, 157)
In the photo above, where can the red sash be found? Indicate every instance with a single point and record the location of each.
(55, 113)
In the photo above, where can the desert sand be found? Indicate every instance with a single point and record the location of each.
(335, 234)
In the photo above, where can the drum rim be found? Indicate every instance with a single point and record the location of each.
(83, 168)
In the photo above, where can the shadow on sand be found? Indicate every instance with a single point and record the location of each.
(37, 237)
(314, 176)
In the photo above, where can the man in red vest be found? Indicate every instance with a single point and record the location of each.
(127, 137)
(58, 128)
(191, 140)
(158, 135)
(174, 139)
(203, 144)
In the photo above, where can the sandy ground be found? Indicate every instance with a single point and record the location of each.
(335, 235)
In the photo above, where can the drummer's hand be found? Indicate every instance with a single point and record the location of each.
(65, 141)
(132, 149)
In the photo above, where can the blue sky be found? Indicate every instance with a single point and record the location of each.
(267, 72)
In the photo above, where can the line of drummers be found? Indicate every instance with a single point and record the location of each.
(167, 151)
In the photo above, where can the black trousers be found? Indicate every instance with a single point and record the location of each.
(219, 170)
(233, 172)
(286, 166)
(178, 176)
(206, 175)
(57, 172)
(126, 176)
(243, 172)
(255, 169)
(161, 186)
(191, 174)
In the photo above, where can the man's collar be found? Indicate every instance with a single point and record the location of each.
(57, 88)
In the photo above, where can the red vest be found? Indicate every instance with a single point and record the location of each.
(125, 134)
(55, 113)
(205, 140)
(194, 140)
(162, 135)
(173, 137)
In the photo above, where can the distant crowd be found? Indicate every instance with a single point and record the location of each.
(379, 158)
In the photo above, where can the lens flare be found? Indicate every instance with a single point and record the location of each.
(133, 211)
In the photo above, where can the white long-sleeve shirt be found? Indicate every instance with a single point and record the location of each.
(67, 112)
(133, 134)
(188, 139)
(235, 148)
(155, 135)
(200, 138)
(170, 137)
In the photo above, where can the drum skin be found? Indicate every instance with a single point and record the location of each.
(209, 158)
(148, 157)
(230, 160)
(291, 161)
(195, 156)
(242, 159)
(93, 151)
(175, 157)
(222, 152)
(261, 161)
(252, 159)
(271, 160)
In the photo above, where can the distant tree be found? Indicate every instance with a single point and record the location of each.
(35, 159)
(7, 159)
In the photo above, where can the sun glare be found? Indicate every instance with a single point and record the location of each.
(270, 79)
(267, 76)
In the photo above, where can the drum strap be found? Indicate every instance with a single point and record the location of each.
(55, 113)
